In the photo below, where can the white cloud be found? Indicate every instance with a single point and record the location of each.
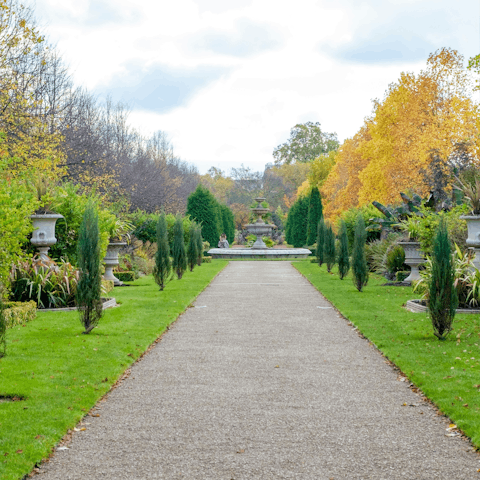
(277, 63)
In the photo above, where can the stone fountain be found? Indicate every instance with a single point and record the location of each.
(259, 250)
(260, 228)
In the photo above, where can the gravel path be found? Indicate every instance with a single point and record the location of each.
(258, 382)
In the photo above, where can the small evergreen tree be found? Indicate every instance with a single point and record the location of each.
(202, 207)
(88, 296)
(199, 240)
(320, 241)
(163, 264)
(3, 328)
(298, 232)
(343, 260)
(179, 263)
(228, 223)
(315, 213)
(442, 295)
(329, 248)
(359, 260)
(192, 253)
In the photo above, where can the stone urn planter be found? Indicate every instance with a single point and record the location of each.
(413, 258)
(473, 238)
(111, 261)
(43, 236)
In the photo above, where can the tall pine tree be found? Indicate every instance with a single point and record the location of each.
(179, 263)
(163, 264)
(315, 213)
(88, 296)
(202, 207)
(320, 241)
(329, 247)
(359, 260)
(343, 260)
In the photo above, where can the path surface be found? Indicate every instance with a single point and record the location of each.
(257, 382)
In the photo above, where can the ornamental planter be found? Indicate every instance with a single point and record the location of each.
(413, 258)
(43, 236)
(473, 239)
(111, 261)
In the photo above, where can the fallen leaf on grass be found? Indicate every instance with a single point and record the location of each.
(19, 451)
(38, 437)
(465, 405)
(106, 380)
(5, 454)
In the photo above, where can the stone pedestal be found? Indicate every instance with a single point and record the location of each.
(111, 261)
(413, 258)
(473, 238)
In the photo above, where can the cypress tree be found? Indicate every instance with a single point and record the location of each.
(163, 264)
(315, 213)
(3, 328)
(199, 240)
(179, 263)
(228, 223)
(359, 260)
(343, 260)
(192, 254)
(202, 207)
(442, 295)
(320, 241)
(88, 293)
(299, 225)
(329, 248)
(288, 226)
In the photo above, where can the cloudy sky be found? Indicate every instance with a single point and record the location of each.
(228, 79)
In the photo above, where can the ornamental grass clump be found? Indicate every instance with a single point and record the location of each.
(320, 241)
(442, 295)
(329, 248)
(192, 254)
(179, 263)
(163, 265)
(359, 260)
(343, 259)
(88, 296)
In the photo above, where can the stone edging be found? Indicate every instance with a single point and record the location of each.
(416, 307)
(107, 303)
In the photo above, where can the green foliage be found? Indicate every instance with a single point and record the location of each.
(192, 252)
(442, 297)
(3, 327)
(320, 241)
(228, 220)
(163, 265)
(88, 294)
(395, 259)
(199, 240)
(359, 261)
(19, 313)
(202, 208)
(296, 231)
(315, 213)
(343, 259)
(329, 255)
(48, 284)
(376, 253)
(17, 203)
(368, 212)
(179, 263)
(268, 242)
(125, 276)
(306, 142)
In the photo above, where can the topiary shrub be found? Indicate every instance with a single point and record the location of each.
(179, 263)
(200, 247)
(329, 248)
(163, 265)
(125, 276)
(88, 295)
(359, 261)
(207, 259)
(320, 241)
(343, 259)
(192, 254)
(442, 296)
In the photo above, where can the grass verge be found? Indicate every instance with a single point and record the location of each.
(61, 373)
(447, 372)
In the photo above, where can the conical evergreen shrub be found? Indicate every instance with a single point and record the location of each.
(199, 240)
(3, 328)
(320, 241)
(359, 260)
(329, 247)
(192, 254)
(315, 213)
(163, 265)
(343, 260)
(228, 223)
(88, 296)
(299, 223)
(179, 263)
(442, 295)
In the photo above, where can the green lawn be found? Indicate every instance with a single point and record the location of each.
(62, 373)
(447, 372)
